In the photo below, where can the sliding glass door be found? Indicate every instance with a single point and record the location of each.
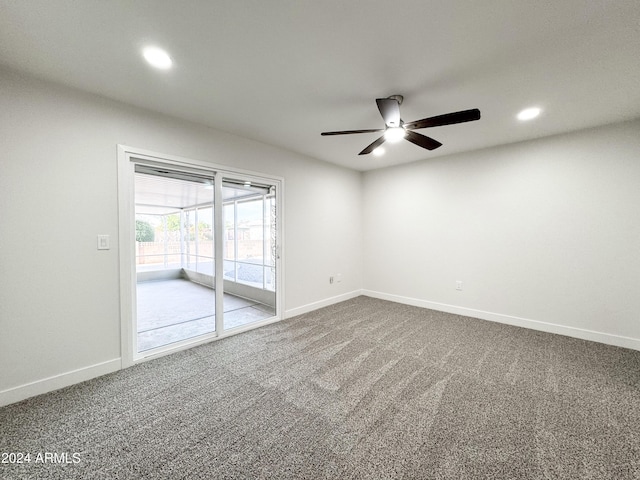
(205, 254)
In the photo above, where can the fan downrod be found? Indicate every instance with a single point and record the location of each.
(397, 98)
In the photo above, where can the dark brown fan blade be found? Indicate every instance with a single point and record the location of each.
(390, 111)
(373, 146)
(446, 119)
(422, 140)
(349, 132)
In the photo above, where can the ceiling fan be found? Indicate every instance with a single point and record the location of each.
(395, 129)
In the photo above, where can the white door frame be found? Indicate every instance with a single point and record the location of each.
(127, 158)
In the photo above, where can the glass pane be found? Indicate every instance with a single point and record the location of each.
(204, 241)
(149, 244)
(250, 242)
(250, 273)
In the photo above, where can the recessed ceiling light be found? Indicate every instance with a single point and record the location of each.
(394, 134)
(157, 57)
(529, 113)
(378, 151)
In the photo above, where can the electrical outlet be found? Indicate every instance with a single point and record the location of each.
(330, 279)
(338, 278)
(458, 284)
(103, 242)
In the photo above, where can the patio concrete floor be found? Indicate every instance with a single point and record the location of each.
(169, 311)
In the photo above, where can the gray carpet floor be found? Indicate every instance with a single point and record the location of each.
(364, 389)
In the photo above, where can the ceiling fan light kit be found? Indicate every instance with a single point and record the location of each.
(528, 114)
(394, 134)
(395, 129)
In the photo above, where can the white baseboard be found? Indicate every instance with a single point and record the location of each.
(56, 382)
(310, 307)
(606, 338)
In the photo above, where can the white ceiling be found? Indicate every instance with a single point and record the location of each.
(282, 71)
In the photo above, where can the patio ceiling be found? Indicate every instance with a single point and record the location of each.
(161, 195)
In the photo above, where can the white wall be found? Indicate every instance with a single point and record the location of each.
(542, 231)
(59, 295)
